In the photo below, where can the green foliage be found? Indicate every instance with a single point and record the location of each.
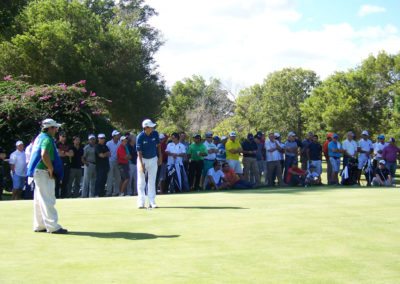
(195, 106)
(23, 106)
(111, 45)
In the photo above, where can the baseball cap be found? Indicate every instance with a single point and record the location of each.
(209, 134)
(250, 136)
(101, 135)
(148, 123)
(224, 138)
(115, 132)
(123, 138)
(381, 136)
(197, 136)
(392, 140)
(277, 135)
(216, 138)
(291, 133)
(382, 162)
(335, 136)
(329, 135)
(48, 122)
(91, 136)
(365, 132)
(232, 134)
(161, 136)
(19, 142)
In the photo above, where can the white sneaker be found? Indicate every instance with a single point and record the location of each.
(153, 205)
(121, 194)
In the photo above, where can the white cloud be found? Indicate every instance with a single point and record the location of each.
(240, 42)
(366, 10)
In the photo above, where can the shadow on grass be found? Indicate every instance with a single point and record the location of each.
(202, 207)
(123, 235)
(292, 190)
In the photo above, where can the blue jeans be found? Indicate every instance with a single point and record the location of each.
(392, 166)
(242, 184)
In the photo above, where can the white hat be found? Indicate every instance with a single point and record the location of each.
(91, 136)
(291, 133)
(382, 162)
(101, 135)
(365, 132)
(148, 123)
(223, 137)
(115, 132)
(48, 122)
(123, 138)
(19, 142)
(161, 135)
(232, 134)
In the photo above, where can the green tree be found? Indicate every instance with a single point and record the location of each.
(110, 45)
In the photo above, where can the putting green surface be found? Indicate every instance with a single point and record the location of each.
(319, 235)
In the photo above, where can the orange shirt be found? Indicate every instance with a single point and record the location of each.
(325, 148)
(231, 177)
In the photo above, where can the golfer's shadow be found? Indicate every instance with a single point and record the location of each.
(123, 235)
(202, 207)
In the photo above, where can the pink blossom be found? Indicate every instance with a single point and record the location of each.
(44, 98)
(82, 103)
(63, 86)
(83, 90)
(92, 94)
(7, 78)
(81, 82)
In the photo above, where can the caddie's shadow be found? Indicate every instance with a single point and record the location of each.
(123, 235)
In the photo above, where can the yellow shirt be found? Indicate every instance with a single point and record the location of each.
(232, 145)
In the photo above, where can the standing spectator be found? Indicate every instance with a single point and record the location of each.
(382, 175)
(260, 156)
(196, 152)
(177, 178)
(314, 154)
(29, 184)
(182, 140)
(221, 155)
(102, 165)
(89, 169)
(75, 175)
(390, 154)
(273, 148)
(44, 166)
(114, 175)
(147, 146)
(349, 148)
(123, 157)
(212, 151)
(250, 166)
(162, 169)
(326, 155)
(335, 152)
(233, 150)
(65, 153)
(291, 152)
(303, 153)
(2, 158)
(378, 149)
(18, 170)
(277, 136)
(132, 189)
(365, 148)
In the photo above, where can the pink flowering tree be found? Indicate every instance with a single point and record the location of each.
(23, 106)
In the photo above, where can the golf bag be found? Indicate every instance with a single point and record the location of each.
(369, 172)
(177, 180)
(350, 172)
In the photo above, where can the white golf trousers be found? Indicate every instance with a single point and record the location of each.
(151, 169)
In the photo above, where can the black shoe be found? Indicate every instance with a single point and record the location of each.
(60, 231)
(40, 231)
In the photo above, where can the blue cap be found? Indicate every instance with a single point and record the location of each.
(216, 138)
(335, 135)
(381, 136)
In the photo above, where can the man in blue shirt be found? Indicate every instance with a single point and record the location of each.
(335, 151)
(149, 158)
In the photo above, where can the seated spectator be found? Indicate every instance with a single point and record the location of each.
(313, 177)
(233, 180)
(382, 175)
(295, 175)
(216, 177)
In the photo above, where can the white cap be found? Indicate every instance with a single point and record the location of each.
(161, 135)
(48, 122)
(232, 134)
(382, 162)
(148, 123)
(223, 137)
(101, 135)
(365, 132)
(91, 136)
(291, 133)
(277, 134)
(123, 138)
(19, 142)
(115, 132)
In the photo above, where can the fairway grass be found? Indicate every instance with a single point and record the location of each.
(319, 235)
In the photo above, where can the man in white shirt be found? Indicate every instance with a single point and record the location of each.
(273, 155)
(18, 170)
(176, 151)
(215, 177)
(350, 148)
(114, 174)
(378, 149)
(365, 148)
(212, 151)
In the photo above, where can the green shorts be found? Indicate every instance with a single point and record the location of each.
(208, 164)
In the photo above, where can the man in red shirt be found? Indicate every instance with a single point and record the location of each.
(295, 176)
(326, 155)
(123, 158)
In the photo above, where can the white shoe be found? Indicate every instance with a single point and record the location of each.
(153, 205)
(121, 194)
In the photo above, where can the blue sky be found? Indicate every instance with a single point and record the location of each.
(242, 41)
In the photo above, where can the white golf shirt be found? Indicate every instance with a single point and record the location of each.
(274, 155)
(175, 149)
(350, 147)
(210, 146)
(18, 159)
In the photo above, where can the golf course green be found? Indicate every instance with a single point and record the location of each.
(315, 235)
